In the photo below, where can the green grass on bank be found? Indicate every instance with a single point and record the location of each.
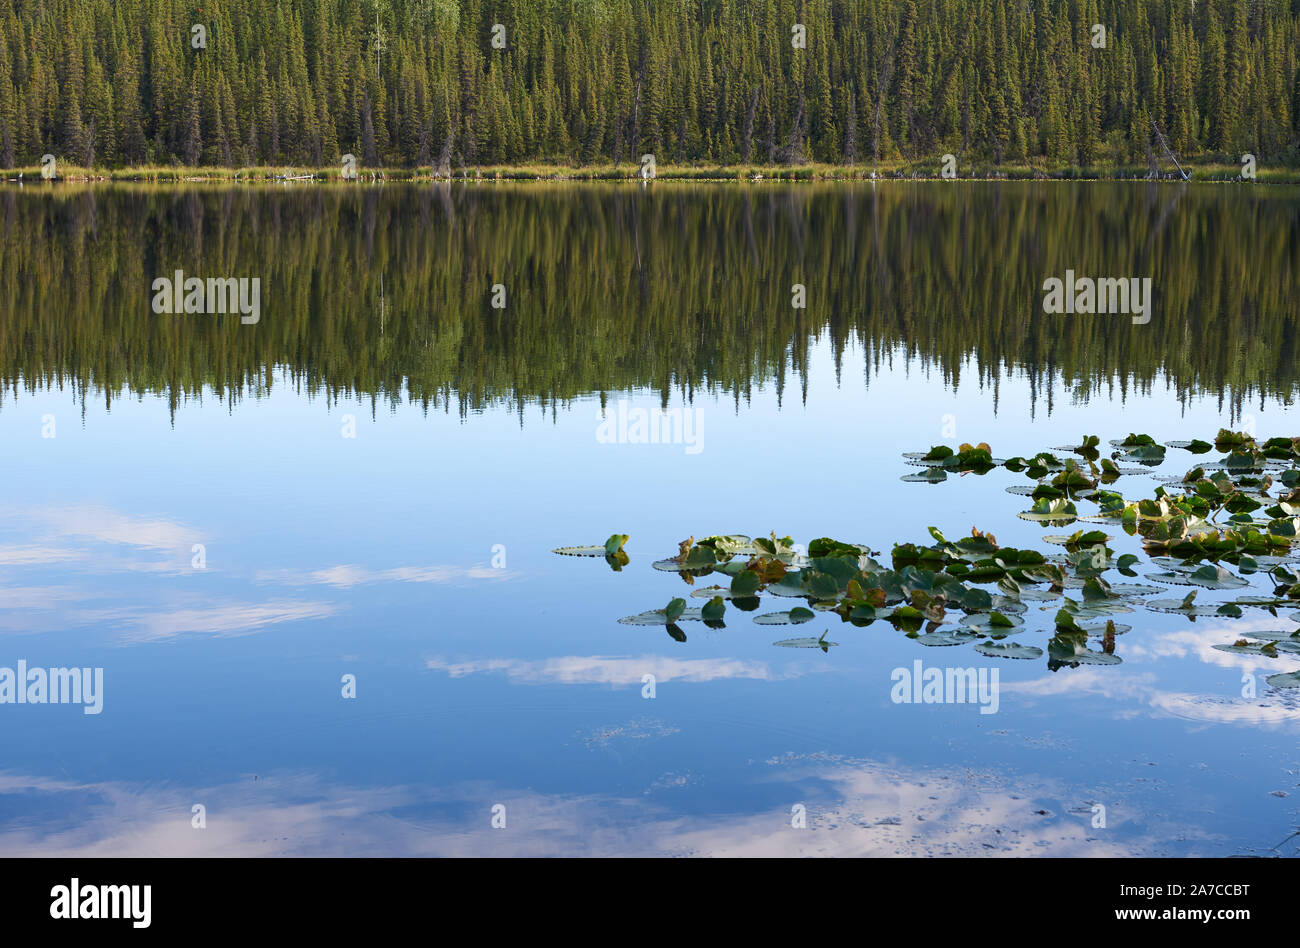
(628, 171)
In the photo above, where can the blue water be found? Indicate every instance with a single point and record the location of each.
(489, 672)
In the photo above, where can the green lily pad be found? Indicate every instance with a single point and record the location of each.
(806, 643)
(1071, 648)
(1285, 680)
(796, 616)
(1051, 512)
(660, 616)
(745, 583)
(992, 621)
(934, 475)
(714, 609)
(1008, 650)
(945, 637)
(708, 592)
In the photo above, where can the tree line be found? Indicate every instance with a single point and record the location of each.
(454, 83)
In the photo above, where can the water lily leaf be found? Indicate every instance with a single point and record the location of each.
(1070, 647)
(1038, 595)
(714, 609)
(795, 616)
(992, 621)
(745, 583)
(806, 643)
(1180, 606)
(653, 617)
(580, 551)
(732, 544)
(1134, 589)
(1216, 577)
(1146, 453)
(790, 585)
(948, 637)
(1242, 647)
(821, 585)
(691, 559)
(1051, 512)
(1008, 606)
(1208, 576)
(673, 613)
(1285, 680)
(835, 549)
(1008, 650)
(938, 453)
(1110, 627)
(1288, 637)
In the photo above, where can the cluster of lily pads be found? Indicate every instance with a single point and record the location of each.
(1242, 509)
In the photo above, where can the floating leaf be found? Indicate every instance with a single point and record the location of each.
(946, 637)
(992, 621)
(714, 609)
(806, 643)
(745, 583)
(580, 551)
(661, 616)
(1008, 650)
(795, 616)
(1071, 648)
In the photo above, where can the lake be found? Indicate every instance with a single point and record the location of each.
(312, 552)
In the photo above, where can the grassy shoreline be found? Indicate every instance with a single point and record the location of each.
(628, 171)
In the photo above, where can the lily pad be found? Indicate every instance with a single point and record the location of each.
(806, 643)
(796, 616)
(945, 637)
(992, 621)
(661, 617)
(1008, 650)
(1071, 648)
(1285, 680)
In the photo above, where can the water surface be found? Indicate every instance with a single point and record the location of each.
(416, 554)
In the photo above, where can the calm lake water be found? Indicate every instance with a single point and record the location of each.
(230, 518)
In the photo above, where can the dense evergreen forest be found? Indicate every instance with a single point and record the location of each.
(448, 83)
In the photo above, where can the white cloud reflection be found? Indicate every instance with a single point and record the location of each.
(347, 575)
(599, 670)
(862, 809)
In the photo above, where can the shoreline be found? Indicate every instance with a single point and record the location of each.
(630, 172)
